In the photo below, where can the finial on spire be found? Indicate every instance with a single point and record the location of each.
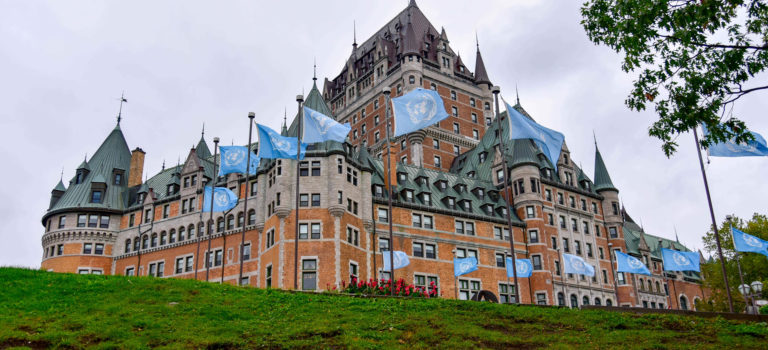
(314, 70)
(285, 117)
(163, 164)
(120, 111)
(354, 34)
(477, 41)
(203, 133)
(595, 137)
(676, 238)
(516, 92)
(62, 174)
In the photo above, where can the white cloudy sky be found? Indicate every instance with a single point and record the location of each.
(63, 66)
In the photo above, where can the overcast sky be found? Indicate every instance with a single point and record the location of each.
(63, 66)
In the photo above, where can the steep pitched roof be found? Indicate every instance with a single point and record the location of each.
(481, 75)
(60, 187)
(112, 154)
(411, 45)
(602, 179)
(202, 149)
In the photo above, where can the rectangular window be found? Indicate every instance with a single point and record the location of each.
(536, 261)
(620, 277)
(533, 236)
(166, 211)
(438, 163)
(383, 244)
(613, 232)
(456, 129)
(59, 249)
(470, 228)
(430, 251)
(179, 265)
(551, 219)
(316, 168)
(87, 247)
(93, 220)
(104, 221)
(577, 246)
(507, 293)
(456, 150)
(416, 219)
(566, 247)
(383, 215)
(554, 242)
(309, 274)
(500, 262)
(315, 234)
(428, 222)
(594, 207)
(98, 249)
(418, 250)
(589, 249)
(560, 199)
(541, 299)
(530, 212)
(218, 257)
(247, 251)
(352, 271)
(96, 197)
(190, 264)
(583, 205)
(184, 206)
(130, 271)
(548, 195)
(315, 199)
(303, 200)
(602, 256)
(562, 222)
(147, 215)
(435, 143)
(459, 227)
(63, 221)
(303, 231)
(605, 276)
(497, 231)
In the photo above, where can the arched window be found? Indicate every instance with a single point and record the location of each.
(696, 301)
(191, 230)
(240, 219)
(230, 222)
(128, 245)
(650, 286)
(172, 236)
(412, 80)
(251, 217)
(182, 231)
(683, 303)
(574, 301)
(561, 299)
(163, 237)
(642, 284)
(136, 244)
(154, 240)
(220, 225)
(598, 302)
(608, 302)
(585, 300)
(210, 227)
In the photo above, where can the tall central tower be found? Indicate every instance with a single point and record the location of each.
(407, 53)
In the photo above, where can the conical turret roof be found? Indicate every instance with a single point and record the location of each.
(202, 150)
(60, 187)
(602, 179)
(481, 75)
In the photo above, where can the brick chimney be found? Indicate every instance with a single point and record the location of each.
(137, 167)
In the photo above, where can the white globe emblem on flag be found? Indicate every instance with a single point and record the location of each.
(398, 260)
(751, 241)
(522, 268)
(749, 147)
(680, 259)
(323, 122)
(634, 263)
(577, 265)
(465, 266)
(280, 145)
(234, 157)
(422, 109)
(221, 199)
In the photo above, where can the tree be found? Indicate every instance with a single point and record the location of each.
(754, 266)
(695, 58)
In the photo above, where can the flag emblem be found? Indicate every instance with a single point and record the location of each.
(751, 240)
(522, 267)
(680, 259)
(422, 109)
(634, 263)
(221, 198)
(280, 145)
(234, 157)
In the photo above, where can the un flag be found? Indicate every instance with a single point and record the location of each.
(318, 127)
(416, 110)
(675, 260)
(223, 199)
(628, 263)
(274, 145)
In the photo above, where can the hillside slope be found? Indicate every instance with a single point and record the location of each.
(41, 310)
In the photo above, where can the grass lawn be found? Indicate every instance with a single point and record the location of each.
(41, 310)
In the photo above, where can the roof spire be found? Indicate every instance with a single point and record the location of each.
(676, 238)
(120, 112)
(595, 137)
(517, 94)
(202, 134)
(412, 3)
(477, 41)
(314, 69)
(62, 174)
(354, 34)
(163, 165)
(481, 75)
(602, 178)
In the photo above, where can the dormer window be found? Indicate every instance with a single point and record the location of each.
(471, 174)
(460, 188)
(426, 198)
(96, 196)
(141, 198)
(450, 202)
(480, 193)
(79, 178)
(482, 156)
(441, 185)
(379, 190)
(402, 177)
(488, 209)
(409, 195)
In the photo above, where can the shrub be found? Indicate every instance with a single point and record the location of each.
(384, 287)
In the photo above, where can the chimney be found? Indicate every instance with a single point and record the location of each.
(137, 167)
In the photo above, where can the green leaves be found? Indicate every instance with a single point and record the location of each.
(695, 59)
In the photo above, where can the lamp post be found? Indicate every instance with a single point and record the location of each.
(751, 291)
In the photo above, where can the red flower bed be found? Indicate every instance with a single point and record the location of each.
(384, 287)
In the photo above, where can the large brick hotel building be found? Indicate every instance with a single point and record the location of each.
(449, 199)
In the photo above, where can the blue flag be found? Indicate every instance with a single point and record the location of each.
(223, 199)
(233, 160)
(730, 148)
(744, 242)
(416, 110)
(576, 265)
(318, 127)
(401, 260)
(680, 261)
(522, 127)
(523, 266)
(274, 145)
(463, 266)
(628, 263)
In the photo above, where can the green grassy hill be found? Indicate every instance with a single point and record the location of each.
(41, 310)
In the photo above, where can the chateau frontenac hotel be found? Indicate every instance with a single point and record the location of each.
(449, 200)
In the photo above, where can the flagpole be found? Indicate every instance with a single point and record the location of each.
(214, 177)
(714, 221)
(634, 285)
(299, 100)
(505, 263)
(562, 275)
(674, 292)
(251, 115)
(738, 260)
(197, 236)
(456, 278)
(613, 274)
(387, 91)
(502, 147)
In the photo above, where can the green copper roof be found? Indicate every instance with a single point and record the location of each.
(202, 149)
(60, 187)
(602, 179)
(112, 154)
(84, 165)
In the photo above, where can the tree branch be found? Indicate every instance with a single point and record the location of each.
(717, 46)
